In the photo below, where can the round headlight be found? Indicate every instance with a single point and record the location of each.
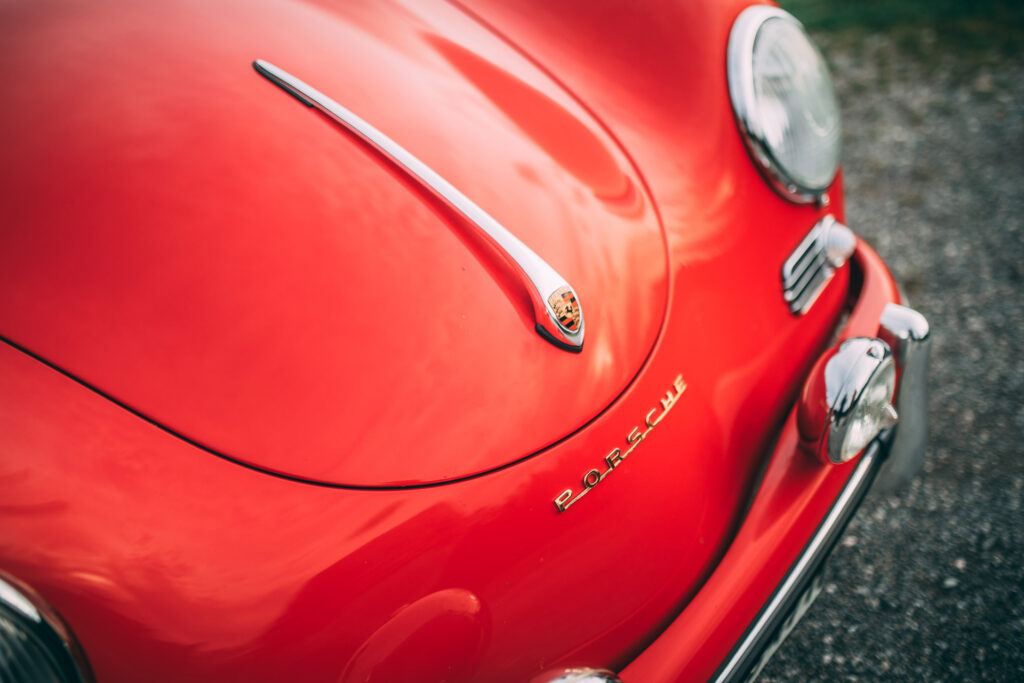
(784, 102)
(847, 399)
(36, 646)
(872, 413)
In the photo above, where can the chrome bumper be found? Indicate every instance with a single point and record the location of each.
(770, 628)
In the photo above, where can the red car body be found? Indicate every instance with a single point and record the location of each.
(269, 412)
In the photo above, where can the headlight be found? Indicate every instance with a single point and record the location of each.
(784, 101)
(35, 645)
(857, 419)
(847, 399)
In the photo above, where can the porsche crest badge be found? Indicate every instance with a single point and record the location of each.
(567, 310)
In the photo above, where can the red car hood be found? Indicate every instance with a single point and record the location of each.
(185, 237)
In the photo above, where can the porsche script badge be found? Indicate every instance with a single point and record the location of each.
(564, 500)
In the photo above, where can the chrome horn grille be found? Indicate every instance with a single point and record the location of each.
(809, 268)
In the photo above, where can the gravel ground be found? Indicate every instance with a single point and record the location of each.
(928, 583)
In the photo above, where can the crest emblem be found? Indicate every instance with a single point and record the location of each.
(567, 310)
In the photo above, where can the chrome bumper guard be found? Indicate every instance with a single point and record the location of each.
(907, 333)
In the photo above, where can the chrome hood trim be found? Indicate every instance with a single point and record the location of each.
(558, 315)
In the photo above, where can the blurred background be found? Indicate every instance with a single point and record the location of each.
(928, 582)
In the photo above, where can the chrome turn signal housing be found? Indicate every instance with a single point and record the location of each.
(847, 399)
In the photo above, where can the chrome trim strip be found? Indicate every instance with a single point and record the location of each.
(542, 278)
(579, 675)
(741, 659)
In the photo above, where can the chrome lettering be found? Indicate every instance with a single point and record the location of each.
(592, 478)
(615, 458)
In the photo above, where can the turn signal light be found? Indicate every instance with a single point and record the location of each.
(847, 399)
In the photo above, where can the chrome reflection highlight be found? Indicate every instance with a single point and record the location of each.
(808, 269)
(542, 281)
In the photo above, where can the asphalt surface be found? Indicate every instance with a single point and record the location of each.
(928, 582)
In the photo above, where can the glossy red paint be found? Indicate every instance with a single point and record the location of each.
(172, 241)
(171, 564)
(245, 272)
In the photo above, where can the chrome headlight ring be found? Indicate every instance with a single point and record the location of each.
(784, 102)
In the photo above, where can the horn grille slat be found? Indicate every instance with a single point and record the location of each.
(806, 272)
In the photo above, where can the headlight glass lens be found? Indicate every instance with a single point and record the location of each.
(35, 645)
(783, 96)
(873, 412)
(24, 659)
(797, 104)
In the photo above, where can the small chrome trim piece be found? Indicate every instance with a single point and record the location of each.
(579, 676)
(908, 335)
(37, 621)
(740, 72)
(541, 280)
(808, 269)
(743, 659)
